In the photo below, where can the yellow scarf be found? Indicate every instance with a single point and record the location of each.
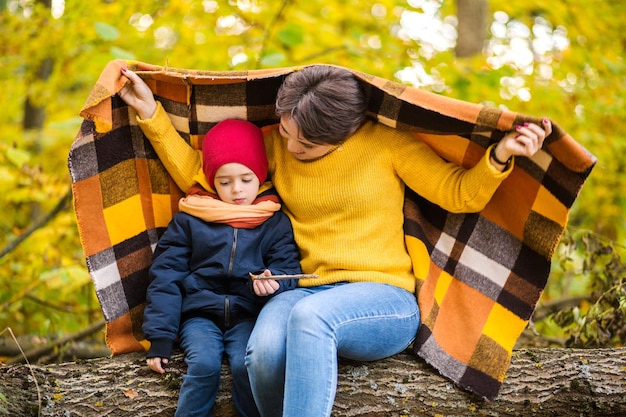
(210, 209)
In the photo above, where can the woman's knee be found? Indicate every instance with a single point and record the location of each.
(305, 314)
(265, 353)
(262, 354)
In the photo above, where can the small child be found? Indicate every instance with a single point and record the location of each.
(200, 291)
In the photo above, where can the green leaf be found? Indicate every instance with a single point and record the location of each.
(18, 156)
(292, 35)
(122, 53)
(106, 31)
(273, 59)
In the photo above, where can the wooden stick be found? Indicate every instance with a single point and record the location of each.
(278, 277)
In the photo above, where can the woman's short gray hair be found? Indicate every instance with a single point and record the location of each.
(325, 102)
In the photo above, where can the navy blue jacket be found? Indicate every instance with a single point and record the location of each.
(201, 269)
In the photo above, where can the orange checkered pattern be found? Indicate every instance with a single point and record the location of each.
(479, 275)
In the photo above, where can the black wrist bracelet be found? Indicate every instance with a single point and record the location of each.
(495, 158)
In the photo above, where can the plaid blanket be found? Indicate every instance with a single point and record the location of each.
(479, 275)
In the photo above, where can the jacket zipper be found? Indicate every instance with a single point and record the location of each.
(230, 271)
(232, 252)
(226, 312)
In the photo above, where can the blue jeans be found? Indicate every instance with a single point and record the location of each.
(293, 349)
(204, 344)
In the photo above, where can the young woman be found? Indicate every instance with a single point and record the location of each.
(342, 181)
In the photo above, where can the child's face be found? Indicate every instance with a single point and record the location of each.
(236, 184)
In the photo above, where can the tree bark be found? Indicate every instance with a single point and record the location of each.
(472, 27)
(35, 114)
(540, 382)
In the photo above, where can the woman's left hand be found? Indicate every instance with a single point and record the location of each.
(526, 140)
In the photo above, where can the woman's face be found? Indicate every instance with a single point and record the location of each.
(299, 147)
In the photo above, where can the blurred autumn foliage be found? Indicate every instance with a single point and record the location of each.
(563, 60)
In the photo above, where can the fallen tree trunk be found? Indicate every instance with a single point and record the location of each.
(540, 382)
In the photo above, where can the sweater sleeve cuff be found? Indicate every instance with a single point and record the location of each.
(160, 348)
(493, 169)
(486, 179)
(155, 125)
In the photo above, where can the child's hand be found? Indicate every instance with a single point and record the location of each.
(264, 287)
(156, 364)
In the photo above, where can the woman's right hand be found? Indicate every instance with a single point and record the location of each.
(138, 95)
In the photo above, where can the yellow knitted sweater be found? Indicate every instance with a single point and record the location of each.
(346, 207)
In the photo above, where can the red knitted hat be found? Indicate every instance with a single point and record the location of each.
(234, 140)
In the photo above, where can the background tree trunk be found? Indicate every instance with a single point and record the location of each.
(472, 27)
(35, 114)
(540, 382)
